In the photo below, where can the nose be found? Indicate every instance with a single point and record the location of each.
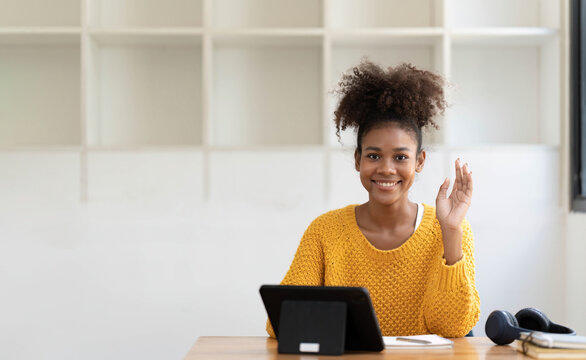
(387, 167)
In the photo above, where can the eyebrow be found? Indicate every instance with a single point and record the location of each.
(374, 148)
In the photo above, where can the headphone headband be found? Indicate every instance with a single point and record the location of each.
(503, 328)
(560, 329)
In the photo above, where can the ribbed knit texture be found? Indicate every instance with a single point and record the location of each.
(412, 289)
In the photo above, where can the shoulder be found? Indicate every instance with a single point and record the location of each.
(333, 219)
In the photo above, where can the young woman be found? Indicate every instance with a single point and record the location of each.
(415, 260)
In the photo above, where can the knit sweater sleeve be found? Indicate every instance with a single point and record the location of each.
(307, 267)
(451, 302)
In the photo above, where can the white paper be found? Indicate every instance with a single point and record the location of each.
(417, 341)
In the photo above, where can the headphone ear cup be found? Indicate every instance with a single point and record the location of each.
(502, 327)
(533, 319)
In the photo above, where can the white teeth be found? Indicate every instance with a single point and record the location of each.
(386, 184)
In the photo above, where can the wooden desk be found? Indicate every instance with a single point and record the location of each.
(258, 348)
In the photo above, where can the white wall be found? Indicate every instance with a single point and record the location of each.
(141, 271)
(147, 265)
(575, 270)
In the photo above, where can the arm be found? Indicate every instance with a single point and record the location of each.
(450, 211)
(451, 304)
(307, 267)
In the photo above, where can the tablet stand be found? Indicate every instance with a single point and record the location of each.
(317, 327)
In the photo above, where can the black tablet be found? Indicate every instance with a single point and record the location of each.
(361, 330)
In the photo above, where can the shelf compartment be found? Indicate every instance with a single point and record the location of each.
(501, 94)
(39, 93)
(130, 176)
(267, 91)
(266, 13)
(423, 52)
(40, 13)
(144, 91)
(385, 13)
(147, 14)
(503, 13)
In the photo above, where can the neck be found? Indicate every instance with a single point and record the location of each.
(392, 215)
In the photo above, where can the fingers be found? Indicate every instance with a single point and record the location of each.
(465, 185)
(463, 181)
(458, 181)
(467, 181)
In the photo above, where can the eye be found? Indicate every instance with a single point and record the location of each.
(401, 157)
(373, 156)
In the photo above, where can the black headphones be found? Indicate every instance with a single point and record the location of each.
(503, 328)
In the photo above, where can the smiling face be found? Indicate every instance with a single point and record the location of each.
(387, 163)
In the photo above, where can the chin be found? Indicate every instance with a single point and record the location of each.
(385, 201)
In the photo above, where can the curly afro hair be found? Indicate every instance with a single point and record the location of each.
(370, 96)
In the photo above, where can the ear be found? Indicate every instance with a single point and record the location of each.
(356, 160)
(420, 161)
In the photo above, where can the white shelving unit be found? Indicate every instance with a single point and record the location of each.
(209, 77)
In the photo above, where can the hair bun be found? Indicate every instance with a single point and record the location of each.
(401, 93)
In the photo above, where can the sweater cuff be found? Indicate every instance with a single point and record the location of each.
(270, 330)
(452, 277)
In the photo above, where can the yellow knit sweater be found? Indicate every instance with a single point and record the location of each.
(412, 289)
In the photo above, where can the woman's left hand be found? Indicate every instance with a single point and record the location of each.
(450, 211)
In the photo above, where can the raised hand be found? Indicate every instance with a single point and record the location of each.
(451, 210)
